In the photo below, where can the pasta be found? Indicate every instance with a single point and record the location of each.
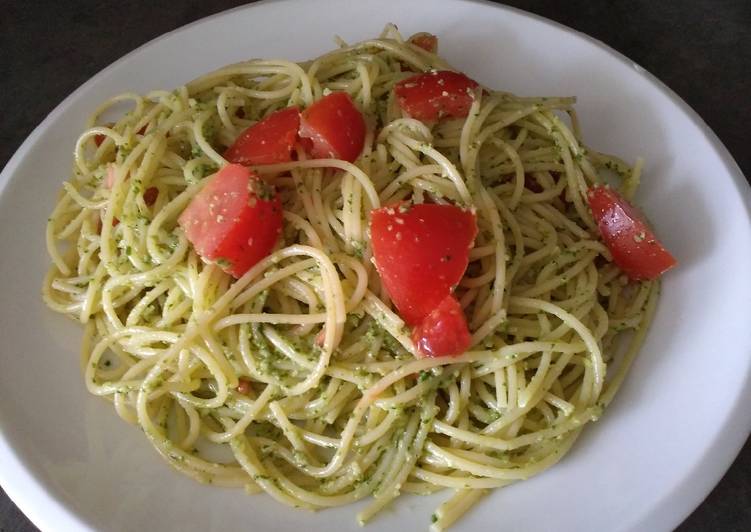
(300, 379)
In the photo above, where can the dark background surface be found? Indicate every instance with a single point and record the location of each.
(700, 49)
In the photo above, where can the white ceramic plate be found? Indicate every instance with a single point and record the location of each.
(71, 464)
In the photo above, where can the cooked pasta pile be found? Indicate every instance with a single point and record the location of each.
(300, 379)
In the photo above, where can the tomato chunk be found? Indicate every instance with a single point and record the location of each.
(267, 142)
(235, 220)
(444, 331)
(335, 127)
(421, 252)
(434, 95)
(635, 248)
(426, 41)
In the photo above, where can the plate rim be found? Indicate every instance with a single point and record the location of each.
(48, 512)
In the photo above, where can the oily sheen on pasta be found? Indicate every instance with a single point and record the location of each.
(300, 379)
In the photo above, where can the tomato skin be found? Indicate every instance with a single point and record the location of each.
(421, 253)
(235, 220)
(335, 127)
(444, 331)
(434, 95)
(634, 247)
(267, 142)
(426, 41)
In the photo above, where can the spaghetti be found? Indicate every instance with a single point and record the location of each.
(299, 379)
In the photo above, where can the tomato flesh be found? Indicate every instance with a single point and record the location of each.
(421, 252)
(267, 142)
(435, 95)
(335, 127)
(634, 247)
(109, 180)
(444, 331)
(235, 220)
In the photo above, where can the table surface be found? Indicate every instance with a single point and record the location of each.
(700, 49)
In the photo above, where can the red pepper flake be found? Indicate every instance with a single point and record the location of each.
(99, 138)
(244, 387)
(115, 222)
(149, 197)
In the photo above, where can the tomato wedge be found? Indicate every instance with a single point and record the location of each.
(434, 95)
(444, 331)
(335, 127)
(635, 248)
(267, 142)
(235, 220)
(426, 41)
(421, 252)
